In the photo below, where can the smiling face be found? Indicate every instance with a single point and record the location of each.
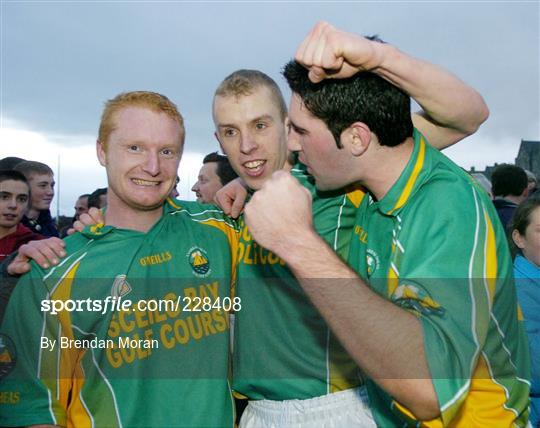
(252, 133)
(41, 190)
(141, 157)
(13, 203)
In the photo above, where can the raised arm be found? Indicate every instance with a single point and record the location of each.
(452, 110)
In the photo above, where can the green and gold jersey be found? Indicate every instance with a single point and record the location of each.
(158, 358)
(283, 348)
(434, 246)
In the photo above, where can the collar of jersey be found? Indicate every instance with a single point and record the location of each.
(99, 230)
(409, 180)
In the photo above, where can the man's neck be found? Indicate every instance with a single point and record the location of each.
(515, 199)
(5, 231)
(118, 215)
(384, 167)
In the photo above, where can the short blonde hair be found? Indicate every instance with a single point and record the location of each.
(150, 100)
(246, 82)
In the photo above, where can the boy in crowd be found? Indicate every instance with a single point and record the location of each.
(40, 177)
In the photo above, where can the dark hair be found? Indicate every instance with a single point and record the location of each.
(84, 195)
(508, 180)
(10, 162)
(364, 97)
(521, 220)
(93, 199)
(224, 169)
(12, 175)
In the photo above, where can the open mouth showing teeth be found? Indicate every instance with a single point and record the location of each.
(254, 164)
(144, 182)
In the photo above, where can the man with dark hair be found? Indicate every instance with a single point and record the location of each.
(14, 199)
(10, 162)
(41, 180)
(98, 198)
(287, 361)
(81, 206)
(215, 173)
(509, 184)
(430, 288)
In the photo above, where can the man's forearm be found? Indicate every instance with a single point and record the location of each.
(452, 109)
(369, 327)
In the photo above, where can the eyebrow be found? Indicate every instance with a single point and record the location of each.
(256, 119)
(4, 193)
(297, 128)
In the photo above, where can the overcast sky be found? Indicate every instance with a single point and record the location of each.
(61, 60)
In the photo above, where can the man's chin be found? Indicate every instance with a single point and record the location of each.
(149, 205)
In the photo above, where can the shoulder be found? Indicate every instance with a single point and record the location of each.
(200, 214)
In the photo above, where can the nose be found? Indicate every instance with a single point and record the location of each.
(247, 143)
(12, 204)
(151, 164)
(293, 142)
(195, 187)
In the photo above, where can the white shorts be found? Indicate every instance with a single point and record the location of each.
(348, 408)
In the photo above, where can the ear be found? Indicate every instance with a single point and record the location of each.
(101, 154)
(357, 137)
(518, 239)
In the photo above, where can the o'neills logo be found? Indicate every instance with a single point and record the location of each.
(198, 259)
(8, 355)
(156, 259)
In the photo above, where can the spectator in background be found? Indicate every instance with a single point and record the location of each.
(38, 217)
(98, 198)
(526, 240)
(174, 192)
(81, 206)
(509, 187)
(532, 184)
(8, 163)
(14, 198)
(214, 174)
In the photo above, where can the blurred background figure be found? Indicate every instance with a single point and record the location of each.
(98, 198)
(526, 240)
(81, 206)
(174, 192)
(214, 174)
(38, 217)
(509, 187)
(532, 184)
(14, 200)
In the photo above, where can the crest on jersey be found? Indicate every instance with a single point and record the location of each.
(8, 356)
(198, 260)
(120, 286)
(372, 260)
